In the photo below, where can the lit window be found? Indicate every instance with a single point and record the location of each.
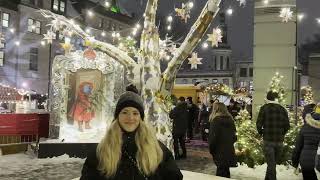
(34, 26)
(59, 6)
(185, 81)
(214, 81)
(55, 5)
(5, 19)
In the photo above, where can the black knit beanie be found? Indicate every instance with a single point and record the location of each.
(129, 99)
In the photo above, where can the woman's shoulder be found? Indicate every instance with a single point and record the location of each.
(92, 157)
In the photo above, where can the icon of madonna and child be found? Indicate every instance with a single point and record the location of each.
(85, 106)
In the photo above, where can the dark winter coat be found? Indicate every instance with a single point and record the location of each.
(193, 114)
(127, 170)
(273, 122)
(222, 136)
(204, 118)
(307, 144)
(179, 114)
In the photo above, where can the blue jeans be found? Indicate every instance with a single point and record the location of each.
(272, 153)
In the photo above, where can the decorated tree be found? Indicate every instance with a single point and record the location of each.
(143, 63)
(307, 95)
(249, 144)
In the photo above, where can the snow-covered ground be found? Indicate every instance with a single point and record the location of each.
(27, 166)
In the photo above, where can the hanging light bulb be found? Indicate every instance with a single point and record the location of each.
(43, 43)
(229, 11)
(266, 2)
(107, 4)
(169, 19)
(138, 26)
(90, 13)
(169, 28)
(17, 43)
(190, 5)
(12, 30)
(300, 16)
(205, 45)
(103, 34)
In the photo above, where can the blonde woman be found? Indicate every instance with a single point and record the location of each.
(130, 149)
(222, 136)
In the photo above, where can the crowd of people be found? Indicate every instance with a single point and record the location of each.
(130, 148)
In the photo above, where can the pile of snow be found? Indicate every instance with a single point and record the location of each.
(283, 172)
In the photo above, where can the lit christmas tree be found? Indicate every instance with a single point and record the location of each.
(249, 144)
(307, 95)
(276, 86)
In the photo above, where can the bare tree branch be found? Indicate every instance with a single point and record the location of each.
(197, 31)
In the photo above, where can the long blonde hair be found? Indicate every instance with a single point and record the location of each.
(148, 156)
(219, 109)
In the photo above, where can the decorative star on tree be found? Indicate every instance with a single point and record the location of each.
(286, 14)
(215, 37)
(194, 61)
(49, 36)
(183, 13)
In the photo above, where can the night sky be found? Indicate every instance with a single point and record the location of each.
(240, 24)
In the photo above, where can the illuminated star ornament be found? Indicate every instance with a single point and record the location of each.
(49, 36)
(183, 13)
(286, 14)
(242, 2)
(215, 37)
(194, 61)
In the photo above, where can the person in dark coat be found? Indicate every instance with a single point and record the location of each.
(306, 146)
(192, 118)
(179, 114)
(233, 108)
(272, 124)
(222, 136)
(307, 109)
(130, 150)
(204, 122)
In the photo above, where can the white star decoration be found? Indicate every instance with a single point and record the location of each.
(194, 61)
(215, 37)
(49, 36)
(286, 14)
(242, 2)
(183, 13)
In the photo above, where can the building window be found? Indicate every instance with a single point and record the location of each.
(243, 84)
(59, 6)
(214, 63)
(5, 19)
(226, 81)
(214, 81)
(33, 63)
(228, 63)
(250, 72)
(243, 72)
(34, 26)
(2, 47)
(194, 81)
(221, 63)
(185, 81)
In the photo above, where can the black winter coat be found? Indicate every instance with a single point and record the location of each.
(179, 114)
(222, 136)
(307, 144)
(127, 170)
(273, 122)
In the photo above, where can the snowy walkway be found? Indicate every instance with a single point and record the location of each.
(24, 166)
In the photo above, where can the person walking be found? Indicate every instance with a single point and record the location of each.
(306, 145)
(222, 136)
(193, 115)
(272, 124)
(129, 149)
(204, 122)
(179, 114)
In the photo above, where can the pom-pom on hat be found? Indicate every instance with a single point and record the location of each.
(129, 99)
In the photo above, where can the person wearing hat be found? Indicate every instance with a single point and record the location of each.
(306, 145)
(129, 149)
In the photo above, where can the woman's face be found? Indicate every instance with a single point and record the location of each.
(129, 118)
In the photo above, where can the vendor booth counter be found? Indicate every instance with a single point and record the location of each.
(21, 129)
